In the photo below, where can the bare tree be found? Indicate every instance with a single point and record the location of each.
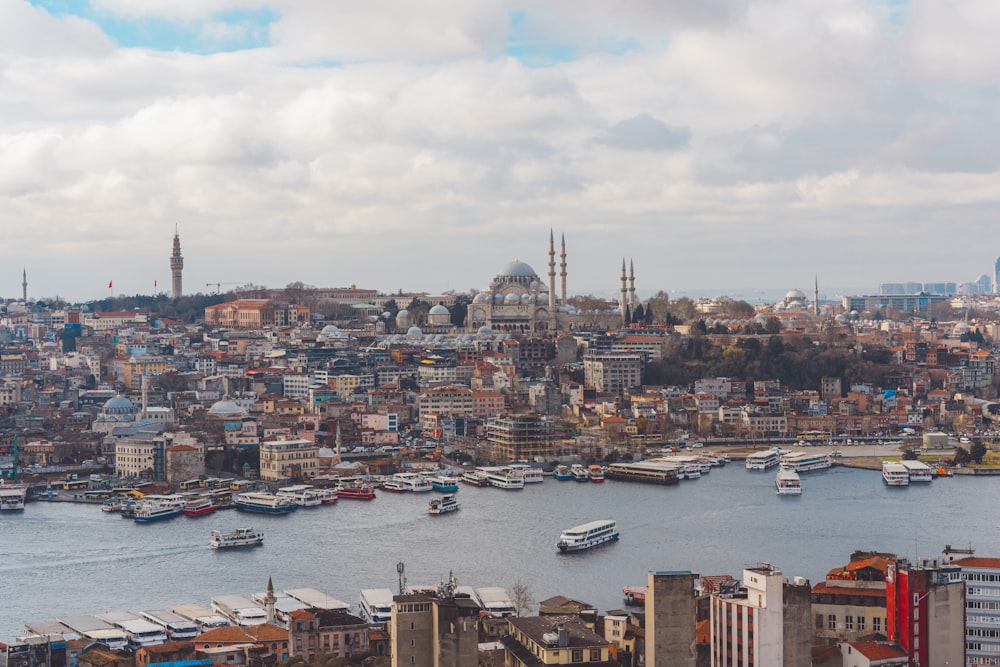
(521, 597)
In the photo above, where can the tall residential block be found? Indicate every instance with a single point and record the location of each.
(671, 614)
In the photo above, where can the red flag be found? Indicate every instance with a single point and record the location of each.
(109, 284)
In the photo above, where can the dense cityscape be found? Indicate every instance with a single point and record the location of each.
(269, 399)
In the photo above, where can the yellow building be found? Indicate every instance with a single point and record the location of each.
(136, 367)
(285, 458)
(554, 640)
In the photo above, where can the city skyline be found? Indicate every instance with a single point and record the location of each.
(719, 145)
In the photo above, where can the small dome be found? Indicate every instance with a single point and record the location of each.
(119, 405)
(512, 298)
(498, 298)
(526, 298)
(226, 408)
(484, 331)
(330, 330)
(482, 297)
(414, 331)
(438, 310)
(404, 312)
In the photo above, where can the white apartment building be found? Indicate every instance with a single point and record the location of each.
(982, 610)
(746, 622)
(447, 400)
(613, 373)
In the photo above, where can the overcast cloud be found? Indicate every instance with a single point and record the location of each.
(390, 145)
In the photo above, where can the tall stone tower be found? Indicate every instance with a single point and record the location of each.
(24, 285)
(176, 266)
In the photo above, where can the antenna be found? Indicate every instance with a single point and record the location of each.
(401, 569)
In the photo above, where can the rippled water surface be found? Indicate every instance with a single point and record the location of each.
(60, 558)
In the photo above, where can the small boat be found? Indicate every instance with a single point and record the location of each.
(394, 486)
(111, 505)
(562, 473)
(443, 505)
(356, 491)
(475, 478)
(596, 473)
(413, 481)
(579, 473)
(787, 482)
(304, 495)
(444, 483)
(156, 508)
(941, 471)
(634, 595)
(895, 474)
(241, 537)
(199, 507)
(264, 503)
(588, 536)
(327, 496)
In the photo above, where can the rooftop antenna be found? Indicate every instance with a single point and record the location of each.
(401, 569)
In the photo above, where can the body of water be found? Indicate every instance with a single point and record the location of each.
(59, 558)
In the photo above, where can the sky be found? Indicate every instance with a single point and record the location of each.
(729, 144)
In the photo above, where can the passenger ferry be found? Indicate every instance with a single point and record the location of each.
(199, 507)
(356, 490)
(394, 486)
(12, 496)
(241, 537)
(579, 473)
(895, 474)
(444, 483)
(562, 473)
(596, 473)
(475, 478)
(762, 460)
(376, 605)
(918, 471)
(443, 505)
(501, 479)
(529, 474)
(304, 495)
(588, 536)
(264, 503)
(788, 483)
(156, 508)
(803, 462)
(413, 481)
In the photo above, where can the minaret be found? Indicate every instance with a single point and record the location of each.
(24, 285)
(621, 302)
(563, 267)
(552, 278)
(269, 600)
(339, 442)
(176, 266)
(816, 294)
(145, 396)
(631, 286)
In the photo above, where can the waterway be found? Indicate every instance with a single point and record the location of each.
(61, 558)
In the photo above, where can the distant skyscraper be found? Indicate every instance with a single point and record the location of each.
(996, 277)
(24, 285)
(176, 266)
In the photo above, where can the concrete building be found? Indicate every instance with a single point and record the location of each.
(286, 458)
(761, 621)
(925, 612)
(850, 604)
(184, 462)
(671, 613)
(438, 629)
(982, 608)
(554, 640)
(522, 437)
(331, 632)
(613, 372)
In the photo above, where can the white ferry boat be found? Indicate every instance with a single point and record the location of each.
(413, 481)
(588, 535)
(895, 474)
(304, 495)
(502, 479)
(12, 496)
(376, 605)
(443, 505)
(802, 462)
(241, 537)
(918, 471)
(475, 478)
(579, 473)
(788, 483)
(156, 508)
(762, 460)
(529, 474)
(264, 503)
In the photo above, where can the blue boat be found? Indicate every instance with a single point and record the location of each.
(264, 503)
(443, 483)
(562, 473)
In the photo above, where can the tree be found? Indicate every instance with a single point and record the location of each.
(521, 597)
(909, 454)
(961, 456)
(977, 451)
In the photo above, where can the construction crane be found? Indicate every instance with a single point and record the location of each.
(218, 286)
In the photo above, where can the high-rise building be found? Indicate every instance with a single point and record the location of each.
(435, 629)
(982, 600)
(671, 614)
(176, 267)
(996, 277)
(925, 612)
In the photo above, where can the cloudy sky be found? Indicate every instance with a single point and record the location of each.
(723, 144)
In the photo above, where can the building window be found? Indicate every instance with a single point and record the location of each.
(848, 622)
(595, 655)
(861, 623)
(819, 621)
(577, 655)
(831, 622)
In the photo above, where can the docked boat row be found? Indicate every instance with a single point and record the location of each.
(579, 473)
(904, 473)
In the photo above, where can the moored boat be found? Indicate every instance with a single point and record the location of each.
(304, 495)
(562, 473)
(803, 462)
(264, 503)
(634, 595)
(762, 460)
(156, 508)
(787, 482)
(199, 507)
(587, 536)
(475, 478)
(579, 473)
(596, 473)
(412, 481)
(443, 505)
(241, 537)
(444, 483)
(529, 474)
(356, 491)
(502, 479)
(895, 474)
(394, 486)
(12, 496)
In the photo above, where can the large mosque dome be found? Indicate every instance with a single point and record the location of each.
(226, 408)
(519, 269)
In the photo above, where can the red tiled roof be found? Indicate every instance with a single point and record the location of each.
(267, 633)
(972, 561)
(301, 615)
(876, 651)
(227, 635)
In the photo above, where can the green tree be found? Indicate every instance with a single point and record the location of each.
(977, 451)
(961, 456)
(909, 454)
